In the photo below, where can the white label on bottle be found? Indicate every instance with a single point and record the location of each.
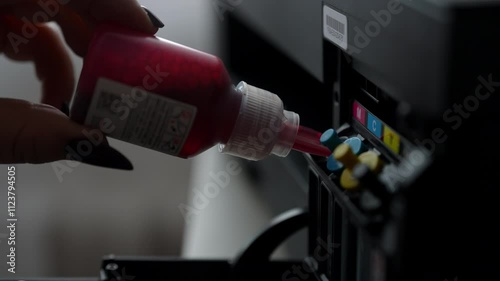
(136, 116)
(335, 27)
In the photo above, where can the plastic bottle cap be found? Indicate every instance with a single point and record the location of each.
(344, 154)
(347, 181)
(356, 145)
(372, 160)
(330, 139)
(333, 165)
(263, 126)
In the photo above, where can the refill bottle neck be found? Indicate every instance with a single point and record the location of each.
(227, 118)
(262, 126)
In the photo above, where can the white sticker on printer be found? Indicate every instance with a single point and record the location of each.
(335, 27)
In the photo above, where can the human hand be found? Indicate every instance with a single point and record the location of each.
(41, 133)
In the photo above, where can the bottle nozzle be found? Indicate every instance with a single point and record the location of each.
(263, 127)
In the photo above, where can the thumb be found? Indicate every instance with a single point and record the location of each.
(37, 133)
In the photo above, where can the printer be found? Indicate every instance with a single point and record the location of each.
(417, 82)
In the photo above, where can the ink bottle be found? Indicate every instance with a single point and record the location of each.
(164, 96)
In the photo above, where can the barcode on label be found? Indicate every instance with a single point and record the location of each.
(335, 27)
(335, 24)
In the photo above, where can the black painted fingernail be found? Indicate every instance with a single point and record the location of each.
(65, 108)
(96, 153)
(154, 19)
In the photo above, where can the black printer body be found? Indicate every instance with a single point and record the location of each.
(418, 83)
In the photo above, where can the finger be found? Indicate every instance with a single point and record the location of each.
(52, 62)
(78, 18)
(34, 133)
(41, 133)
(77, 30)
(125, 12)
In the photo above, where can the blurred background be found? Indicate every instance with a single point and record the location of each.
(66, 227)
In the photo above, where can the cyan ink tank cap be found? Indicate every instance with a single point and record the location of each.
(330, 139)
(333, 165)
(356, 145)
